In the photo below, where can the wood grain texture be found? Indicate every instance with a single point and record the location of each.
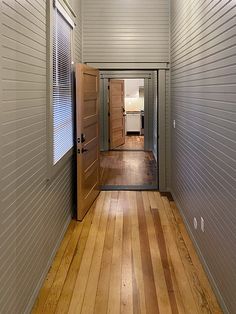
(132, 142)
(116, 112)
(87, 134)
(136, 258)
(128, 168)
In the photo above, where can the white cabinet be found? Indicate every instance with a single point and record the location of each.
(133, 122)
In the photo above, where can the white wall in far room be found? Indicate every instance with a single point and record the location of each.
(133, 101)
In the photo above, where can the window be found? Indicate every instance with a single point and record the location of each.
(60, 108)
(62, 102)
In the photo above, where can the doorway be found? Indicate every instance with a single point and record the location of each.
(128, 106)
(133, 115)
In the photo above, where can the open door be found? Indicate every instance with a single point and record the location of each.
(117, 118)
(87, 134)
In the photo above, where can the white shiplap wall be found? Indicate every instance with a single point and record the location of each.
(125, 31)
(203, 90)
(34, 213)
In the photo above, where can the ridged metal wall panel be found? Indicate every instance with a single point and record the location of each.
(168, 132)
(125, 31)
(203, 92)
(34, 212)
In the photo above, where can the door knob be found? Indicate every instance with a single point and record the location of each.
(83, 138)
(84, 150)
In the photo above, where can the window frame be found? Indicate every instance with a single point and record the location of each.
(66, 11)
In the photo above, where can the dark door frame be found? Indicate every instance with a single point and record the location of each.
(148, 104)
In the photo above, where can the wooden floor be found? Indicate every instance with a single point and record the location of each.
(131, 254)
(128, 168)
(132, 142)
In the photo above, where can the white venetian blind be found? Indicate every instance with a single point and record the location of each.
(62, 87)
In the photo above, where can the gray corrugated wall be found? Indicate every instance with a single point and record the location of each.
(125, 31)
(203, 89)
(168, 132)
(34, 213)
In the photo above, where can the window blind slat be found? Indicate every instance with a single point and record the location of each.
(62, 88)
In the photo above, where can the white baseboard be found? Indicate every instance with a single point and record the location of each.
(202, 259)
(44, 274)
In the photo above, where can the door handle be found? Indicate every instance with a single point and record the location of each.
(84, 150)
(83, 138)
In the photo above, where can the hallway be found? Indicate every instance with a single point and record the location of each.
(131, 254)
(76, 76)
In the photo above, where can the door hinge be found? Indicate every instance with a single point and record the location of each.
(109, 114)
(78, 151)
(78, 140)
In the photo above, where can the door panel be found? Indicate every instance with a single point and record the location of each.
(87, 133)
(117, 119)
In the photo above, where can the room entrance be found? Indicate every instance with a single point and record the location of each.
(131, 107)
(127, 115)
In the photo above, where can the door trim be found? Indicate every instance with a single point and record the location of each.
(104, 120)
(105, 73)
(162, 129)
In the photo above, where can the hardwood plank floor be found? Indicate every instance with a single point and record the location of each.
(128, 168)
(132, 142)
(131, 254)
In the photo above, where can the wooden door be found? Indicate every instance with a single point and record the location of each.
(87, 134)
(117, 118)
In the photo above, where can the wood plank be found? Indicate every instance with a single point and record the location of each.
(115, 278)
(138, 280)
(164, 259)
(149, 284)
(159, 276)
(68, 288)
(91, 288)
(81, 281)
(127, 271)
(101, 301)
(178, 267)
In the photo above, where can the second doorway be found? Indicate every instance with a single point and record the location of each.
(128, 160)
